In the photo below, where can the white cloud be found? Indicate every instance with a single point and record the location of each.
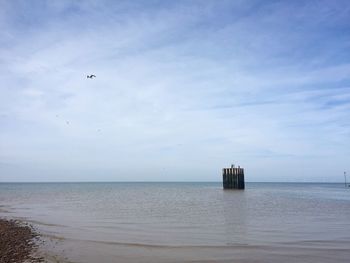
(180, 91)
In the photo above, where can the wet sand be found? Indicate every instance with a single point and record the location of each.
(18, 242)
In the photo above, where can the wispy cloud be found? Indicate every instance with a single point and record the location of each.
(182, 88)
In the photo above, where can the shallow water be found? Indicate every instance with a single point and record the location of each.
(186, 222)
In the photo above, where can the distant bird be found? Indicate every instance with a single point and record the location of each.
(67, 122)
(91, 76)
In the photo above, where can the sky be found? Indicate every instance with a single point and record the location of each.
(182, 89)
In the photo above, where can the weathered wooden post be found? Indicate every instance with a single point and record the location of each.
(224, 177)
(233, 178)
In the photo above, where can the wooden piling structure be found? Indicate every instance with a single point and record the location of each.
(233, 178)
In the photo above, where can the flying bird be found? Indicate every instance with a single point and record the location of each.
(91, 76)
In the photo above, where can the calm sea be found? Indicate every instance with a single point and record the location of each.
(185, 222)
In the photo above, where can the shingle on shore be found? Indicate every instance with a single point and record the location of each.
(17, 242)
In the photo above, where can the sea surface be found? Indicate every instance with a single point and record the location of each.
(184, 222)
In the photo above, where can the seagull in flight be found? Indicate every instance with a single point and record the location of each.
(91, 76)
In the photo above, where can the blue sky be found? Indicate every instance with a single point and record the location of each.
(183, 89)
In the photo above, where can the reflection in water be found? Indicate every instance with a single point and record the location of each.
(234, 211)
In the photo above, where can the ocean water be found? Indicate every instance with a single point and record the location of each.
(185, 222)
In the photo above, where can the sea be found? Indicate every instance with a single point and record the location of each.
(184, 222)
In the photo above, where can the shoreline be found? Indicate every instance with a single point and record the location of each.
(19, 242)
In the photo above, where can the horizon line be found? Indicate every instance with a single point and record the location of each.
(46, 182)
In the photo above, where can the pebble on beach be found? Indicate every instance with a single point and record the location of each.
(17, 242)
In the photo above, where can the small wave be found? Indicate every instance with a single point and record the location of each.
(43, 223)
(130, 244)
(147, 245)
